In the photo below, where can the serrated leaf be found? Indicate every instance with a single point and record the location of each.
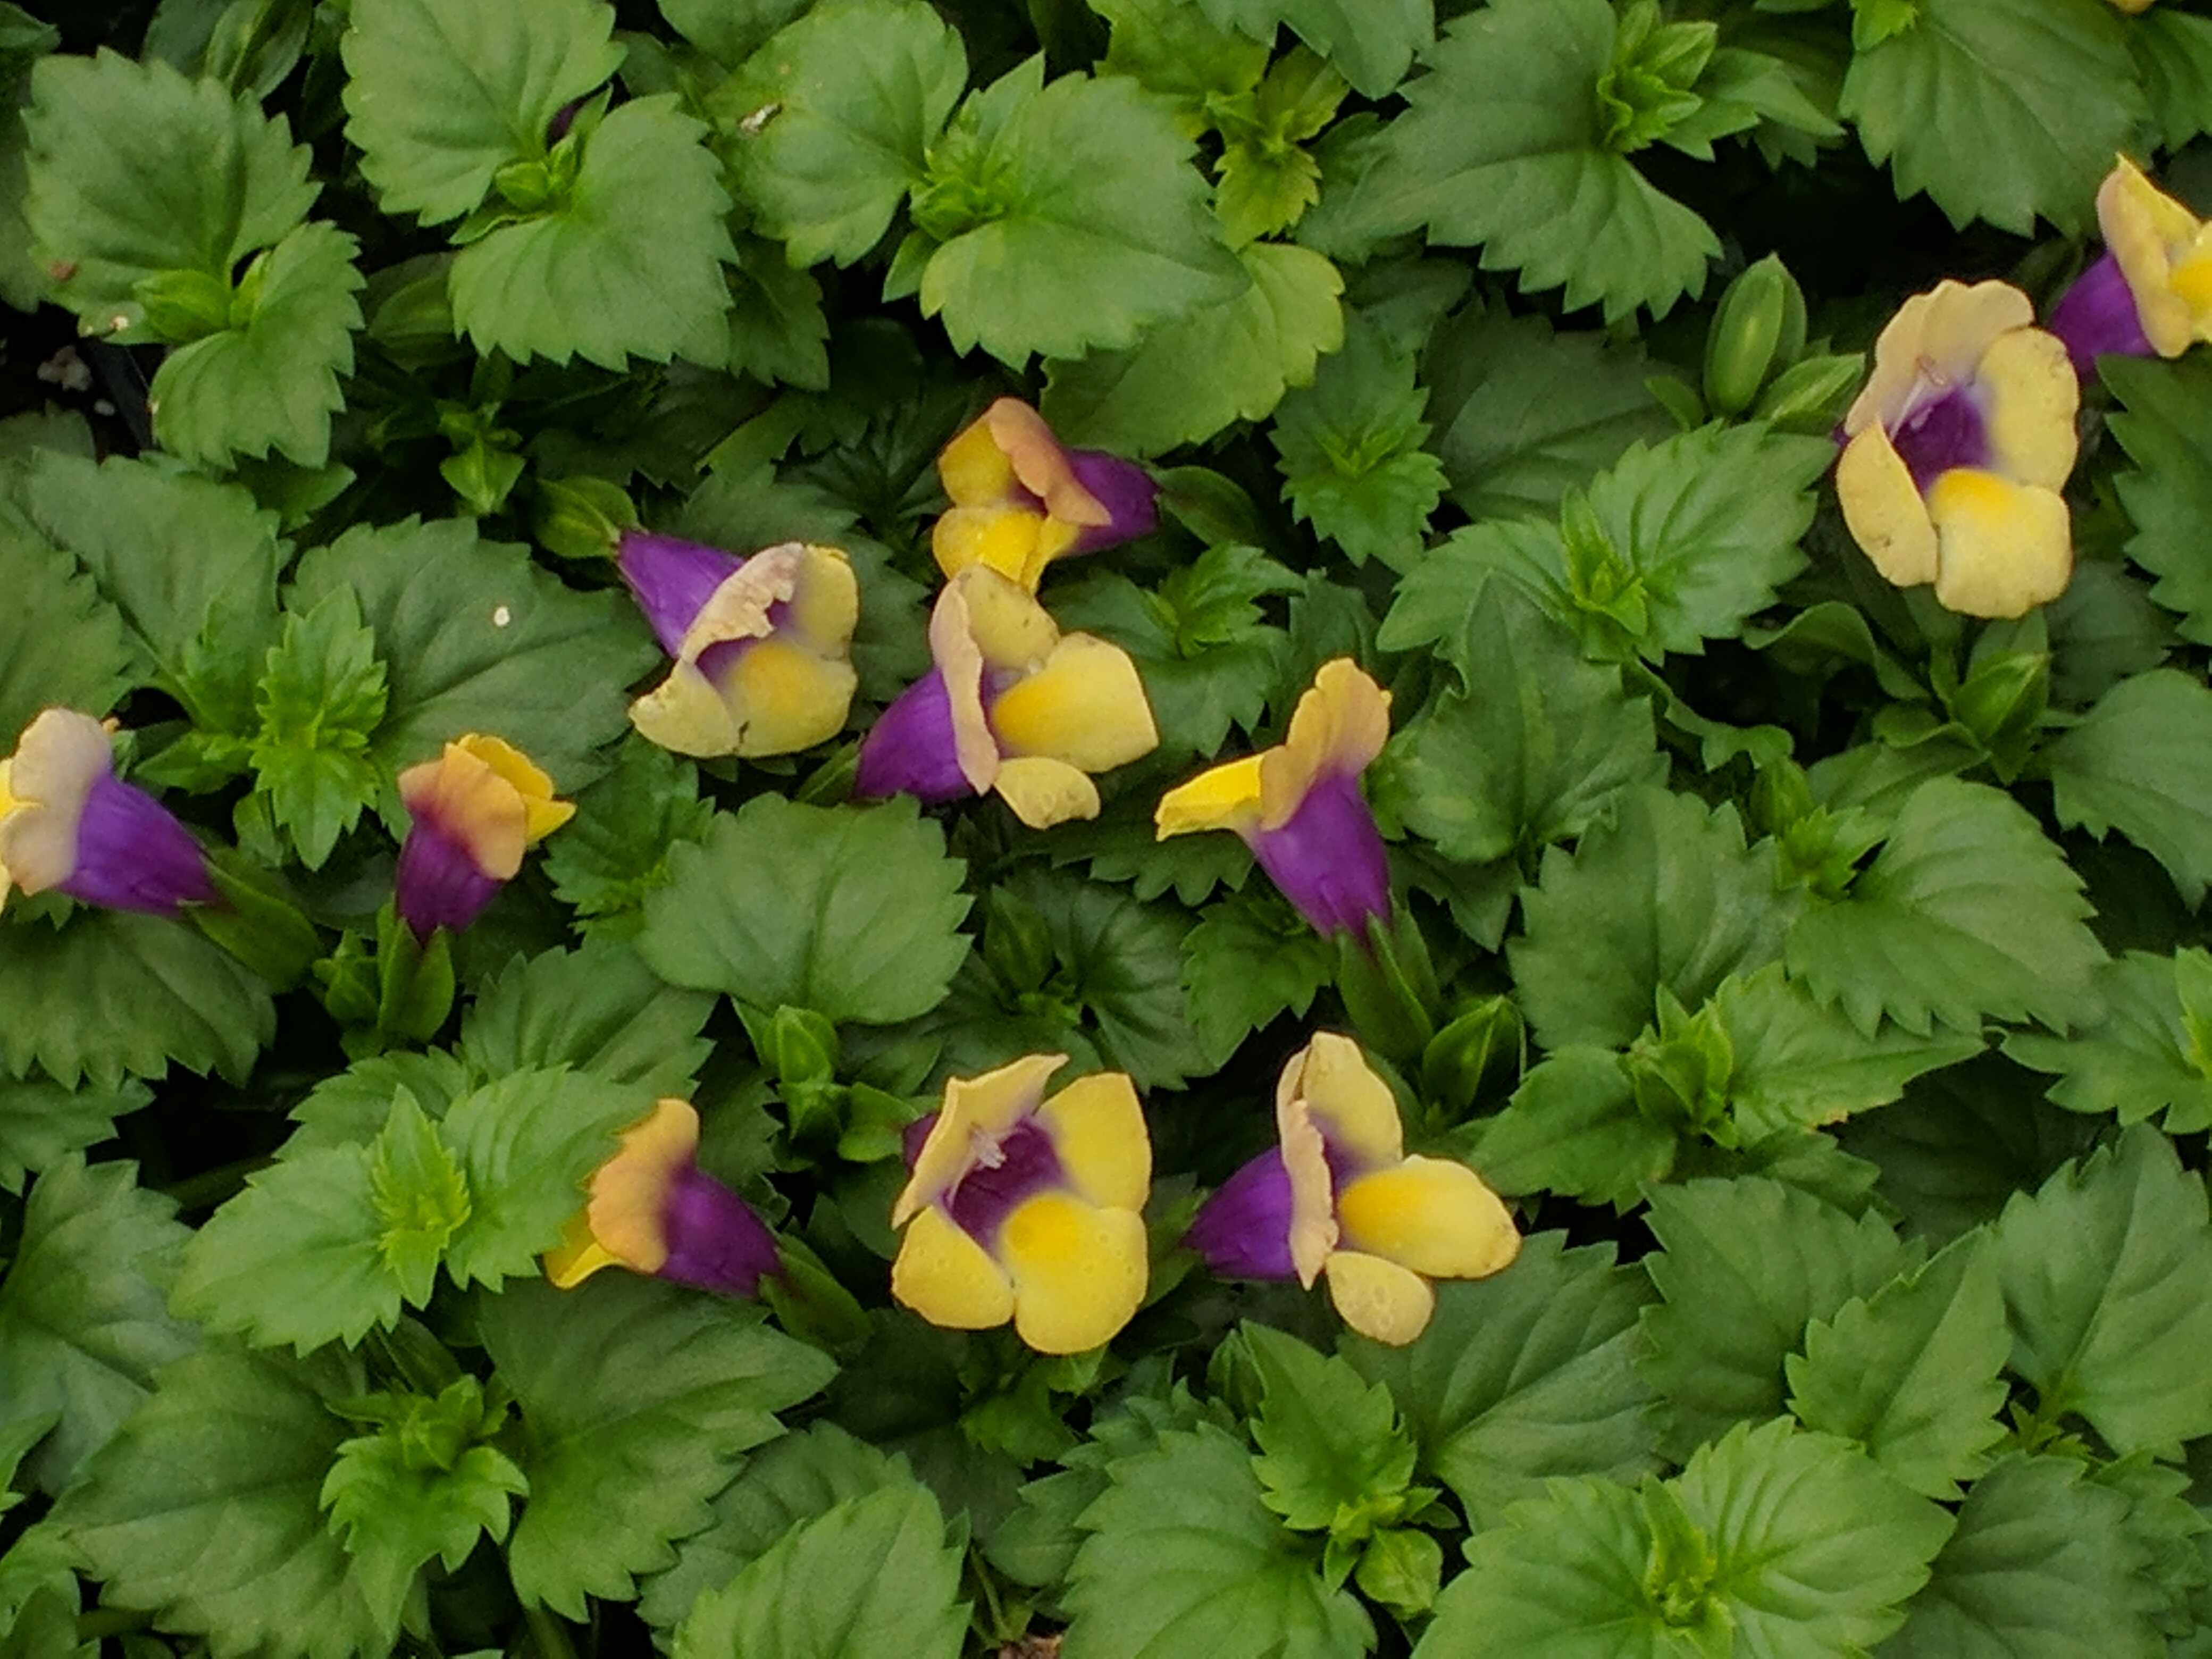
(2138, 762)
(111, 994)
(1372, 42)
(2165, 427)
(2000, 111)
(1329, 1441)
(83, 1323)
(41, 1122)
(442, 93)
(1573, 1127)
(1250, 958)
(1664, 894)
(1094, 228)
(476, 638)
(629, 263)
(2144, 1053)
(60, 643)
(632, 1386)
(2108, 1274)
(776, 328)
(852, 912)
(1184, 1561)
(1193, 376)
(321, 697)
(847, 99)
(1745, 1265)
(204, 1509)
(1525, 1377)
(615, 850)
(1351, 455)
(597, 1008)
(1182, 52)
(1968, 911)
(1913, 1373)
(868, 1575)
(2173, 53)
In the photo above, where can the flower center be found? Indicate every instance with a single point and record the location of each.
(1945, 431)
(1003, 1170)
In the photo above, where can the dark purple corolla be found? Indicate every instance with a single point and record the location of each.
(69, 825)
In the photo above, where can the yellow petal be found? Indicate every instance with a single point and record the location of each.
(1085, 705)
(471, 803)
(1044, 792)
(997, 538)
(1432, 1215)
(1883, 509)
(977, 1110)
(2147, 232)
(1933, 344)
(948, 1278)
(623, 1223)
(2007, 547)
(974, 469)
(1381, 1300)
(2030, 395)
(1012, 632)
(578, 1256)
(784, 697)
(1354, 1107)
(1098, 1130)
(825, 603)
(1227, 797)
(1041, 464)
(686, 715)
(542, 814)
(1340, 727)
(1078, 1271)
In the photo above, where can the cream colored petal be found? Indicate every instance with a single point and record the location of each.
(2146, 229)
(2029, 396)
(626, 1215)
(1085, 705)
(60, 757)
(542, 813)
(977, 1110)
(738, 608)
(1078, 1271)
(686, 714)
(1013, 633)
(2007, 547)
(1883, 509)
(1225, 797)
(1340, 727)
(1313, 1189)
(472, 804)
(1432, 1215)
(1098, 1129)
(948, 1278)
(1381, 1300)
(1354, 1107)
(1043, 792)
(825, 605)
(785, 697)
(1933, 344)
(1041, 464)
(952, 646)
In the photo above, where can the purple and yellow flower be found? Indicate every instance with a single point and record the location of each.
(1298, 806)
(1013, 705)
(1339, 1198)
(2151, 291)
(475, 809)
(1956, 450)
(1023, 1208)
(652, 1211)
(68, 824)
(760, 645)
(1020, 501)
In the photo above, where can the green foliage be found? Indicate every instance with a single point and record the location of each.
(615, 851)
(2163, 427)
(1332, 1456)
(319, 699)
(1372, 42)
(1250, 958)
(596, 1008)
(62, 643)
(2150, 1049)
(2173, 53)
(2129, 766)
(1352, 455)
(41, 1122)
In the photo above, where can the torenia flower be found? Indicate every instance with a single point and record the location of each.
(1339, 1198)
(476, 809)
(653, 1212)
(761, 644)
(1023, 1208)
(67, 823)
(2151, 292)
(1013, 705)
(1957, 448)
(1299, 806)
(1020, 501)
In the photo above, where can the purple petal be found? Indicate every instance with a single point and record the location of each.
(716, 1242)
(1329, 859)
(132, 854)
(2098, 319)
(911, 750)
(672, 581)
(439, 884)
(987, 1193)
(1939, 435)
(1244, 1230)
(915, 1137)
(1125, 489)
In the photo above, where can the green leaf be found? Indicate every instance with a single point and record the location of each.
(1912, 1374)
(628, 263)
(1193, 376)
(419, 1195)
(2108, 1273)
(1330, 1446)
(1351, 450)
(41, 1122)
(137, 172)
(1503, 147)
(1770, 1541)
(319, 701)
(2150, 1050)
(1968, 911)
(597, 1008)
(270, 381)
(476, 638)
(615, 850)
(1075, 222)
(2165, 427)
(2133, 764)
(1250, 958)
(631, 1385)
(82, 1320)
(2000, 111)
(777, 329)
(852, 912)
(1185, 1561)
(441, 95)
(1745, 1265)
(2174, 54)
(1537, 745)
(1662, 894)
(1120, 846)
(60, 643)
(1180, 52)
(205, 1510)
(871, 1575)
(834, 119)
(1573, 1127)
(2040, 1567)
(1372, 42)
(1525, 1377)
(111, 994)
